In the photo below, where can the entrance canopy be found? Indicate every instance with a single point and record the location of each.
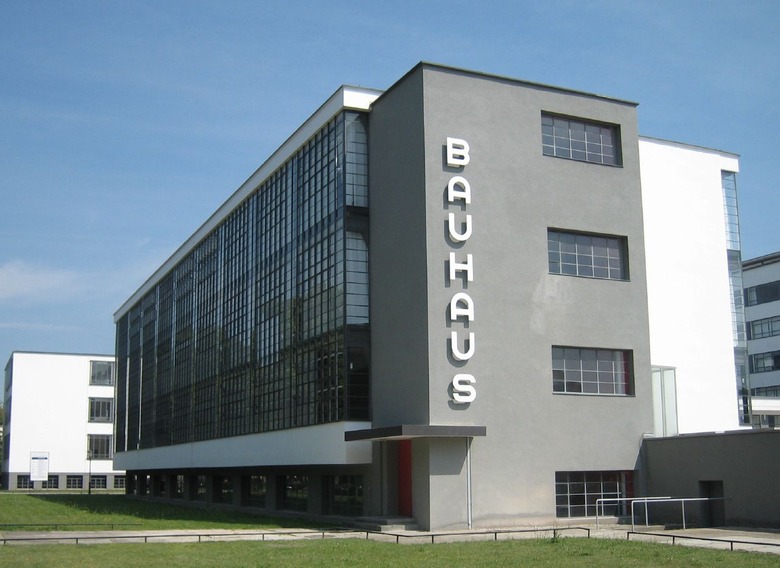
(409, 431)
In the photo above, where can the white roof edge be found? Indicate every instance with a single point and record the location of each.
(724, 153)
(345, 98)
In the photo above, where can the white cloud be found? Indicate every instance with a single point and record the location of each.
(23, 281)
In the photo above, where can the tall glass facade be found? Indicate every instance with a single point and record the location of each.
(734, 256)
(264, 324)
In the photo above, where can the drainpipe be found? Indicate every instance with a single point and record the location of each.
(468, 483)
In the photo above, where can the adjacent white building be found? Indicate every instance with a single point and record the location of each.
(691, 237)
(58, 431)
(762, 311)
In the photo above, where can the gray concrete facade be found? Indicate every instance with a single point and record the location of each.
(520, 309)
(740, 467)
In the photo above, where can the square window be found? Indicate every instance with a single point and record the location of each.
(586, 255)
(579, 140)
(592, 371)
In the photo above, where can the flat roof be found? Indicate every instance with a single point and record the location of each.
(688, 146)
(770, 258)
(514, 80)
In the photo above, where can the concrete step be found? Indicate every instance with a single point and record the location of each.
(386, 524)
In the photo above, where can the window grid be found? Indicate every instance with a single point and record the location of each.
(101, 409)
(345, 495)
(576, 492)
(765, 362)
(102, 372)
(588, 255)
(99, 446)
(248, 333)
(98, 482)
(731, 209)
(53, 482)
(295, 493)
(763, 293)
(23, 482)
(120, 482)
(592, 371)
(74, 482)
(257, 491)
(773, 391)
(767, 327)
(580, 140)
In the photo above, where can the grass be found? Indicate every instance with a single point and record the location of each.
(570, 552)
(125, 513)
(47, 509)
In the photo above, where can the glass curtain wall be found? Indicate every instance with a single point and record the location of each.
(264, 324)
(734, 256)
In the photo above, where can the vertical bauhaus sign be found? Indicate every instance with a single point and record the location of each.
(461, 308)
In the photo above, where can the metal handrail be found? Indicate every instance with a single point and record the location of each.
(494, 532)
(57, 525)
(262, 535)
(601, 501)
(147, 537)
(731, 541)
(681, 500)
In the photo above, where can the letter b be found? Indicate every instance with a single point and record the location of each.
(457, 152)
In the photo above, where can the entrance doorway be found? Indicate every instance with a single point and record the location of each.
(713, 513)
(405, 478)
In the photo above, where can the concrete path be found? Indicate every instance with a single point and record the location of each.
(757, 540)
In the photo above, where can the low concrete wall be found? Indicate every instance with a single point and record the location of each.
(741, 466)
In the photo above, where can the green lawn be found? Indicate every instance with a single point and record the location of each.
(355, 553)
(127, 513)
(368, 554)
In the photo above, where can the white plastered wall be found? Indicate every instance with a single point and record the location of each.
(688, 280)
(50, 412)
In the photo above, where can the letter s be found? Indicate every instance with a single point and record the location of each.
(463, 389)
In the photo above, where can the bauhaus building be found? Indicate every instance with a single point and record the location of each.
(464, 300)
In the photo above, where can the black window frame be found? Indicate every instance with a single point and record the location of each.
(765, 362)
(762, 293)
(98, 377)
(98, 407)
(575, 138)
(590, 254)
(585, 375)
(100, 446)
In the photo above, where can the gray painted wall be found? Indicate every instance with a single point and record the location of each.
(521, 310)
(746, 462)
(398, 258)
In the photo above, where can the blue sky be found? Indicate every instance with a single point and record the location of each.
(124, 124)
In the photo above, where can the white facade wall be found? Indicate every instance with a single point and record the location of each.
(49, 412)
(322, 444)
(688, 279)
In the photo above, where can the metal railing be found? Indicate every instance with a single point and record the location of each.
(180, 536)
(602, 500)
(271, 535)
(676, 537)
(57, 526)
(681, 500)
(494, 532)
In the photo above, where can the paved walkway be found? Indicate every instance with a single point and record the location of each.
(758, 540)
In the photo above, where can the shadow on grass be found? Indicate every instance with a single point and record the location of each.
(113, 508)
